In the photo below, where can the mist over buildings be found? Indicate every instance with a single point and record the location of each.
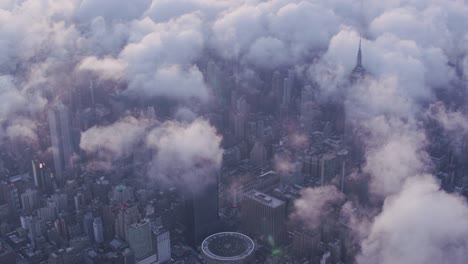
(147, 80)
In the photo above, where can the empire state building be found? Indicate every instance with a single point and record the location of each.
(359, 71)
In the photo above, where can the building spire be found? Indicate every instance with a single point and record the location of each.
(359, 71)
(359, 56)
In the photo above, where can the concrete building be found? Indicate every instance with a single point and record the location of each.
(141, 242)
(263, 217)
(127, 215)
(60, 136)
(163, 245)
(29, 200)
(98, 230)
(201, 214)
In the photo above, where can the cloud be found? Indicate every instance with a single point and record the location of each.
(186, 155)
(315, 204)
(107, 68)
(172, 82)
(22, 129)
(117, 140)
(16, 105)
(111, 10)
(164, 10)
(422, 224)
(395, 152)
(451, 121)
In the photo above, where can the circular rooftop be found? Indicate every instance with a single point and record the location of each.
(228, 246)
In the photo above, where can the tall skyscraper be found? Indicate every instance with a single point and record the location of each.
(163, 244)
(126, 217)
(258, 154)
(60, 136)
(36, 174)
(98, 230)
(29, 200)
(201, 213)
(36, 229)
(263, 217)
(88, 226)
(140, 240)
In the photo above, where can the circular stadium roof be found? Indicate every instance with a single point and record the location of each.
(228, 246)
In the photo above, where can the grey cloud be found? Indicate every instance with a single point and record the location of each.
(186, 155)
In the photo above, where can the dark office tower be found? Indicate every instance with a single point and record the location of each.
(88, 227)
(201, 209)
(36, 175)
(263, 217)
(60, 136)
(98, 230)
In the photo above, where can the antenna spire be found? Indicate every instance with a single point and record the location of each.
(359, 56)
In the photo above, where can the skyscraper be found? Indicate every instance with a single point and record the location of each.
(126, 217)
(60, 136)
(98, 230)
(88, 226)
(263, 217)
(140, 240)
(29, 200)
(163, 244)
(201, 213)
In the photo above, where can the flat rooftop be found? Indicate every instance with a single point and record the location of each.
(228, 246)
(265, 199)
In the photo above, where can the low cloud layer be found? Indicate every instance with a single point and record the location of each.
(421, 224)
(186, 155)
(117, 140)
(316, 204)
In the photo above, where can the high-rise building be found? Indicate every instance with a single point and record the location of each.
(263, 217)
(140, 240)
(29, 200)
(305, 243)
(37, 174)
(239, 121)
(201, 213)
(98, 230)
(88, 228)
(258, 154)
(60, 136)
(287, 91)
(36, 229)
(126, 217)
(13, 198)
(59, 201)
(163, 243)
(162, 240)
(329, 167)
(47, 213)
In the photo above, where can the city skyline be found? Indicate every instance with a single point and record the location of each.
(222, 131)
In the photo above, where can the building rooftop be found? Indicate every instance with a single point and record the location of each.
(265, 199)
(228, 246)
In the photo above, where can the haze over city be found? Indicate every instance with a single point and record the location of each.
(234, 131)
